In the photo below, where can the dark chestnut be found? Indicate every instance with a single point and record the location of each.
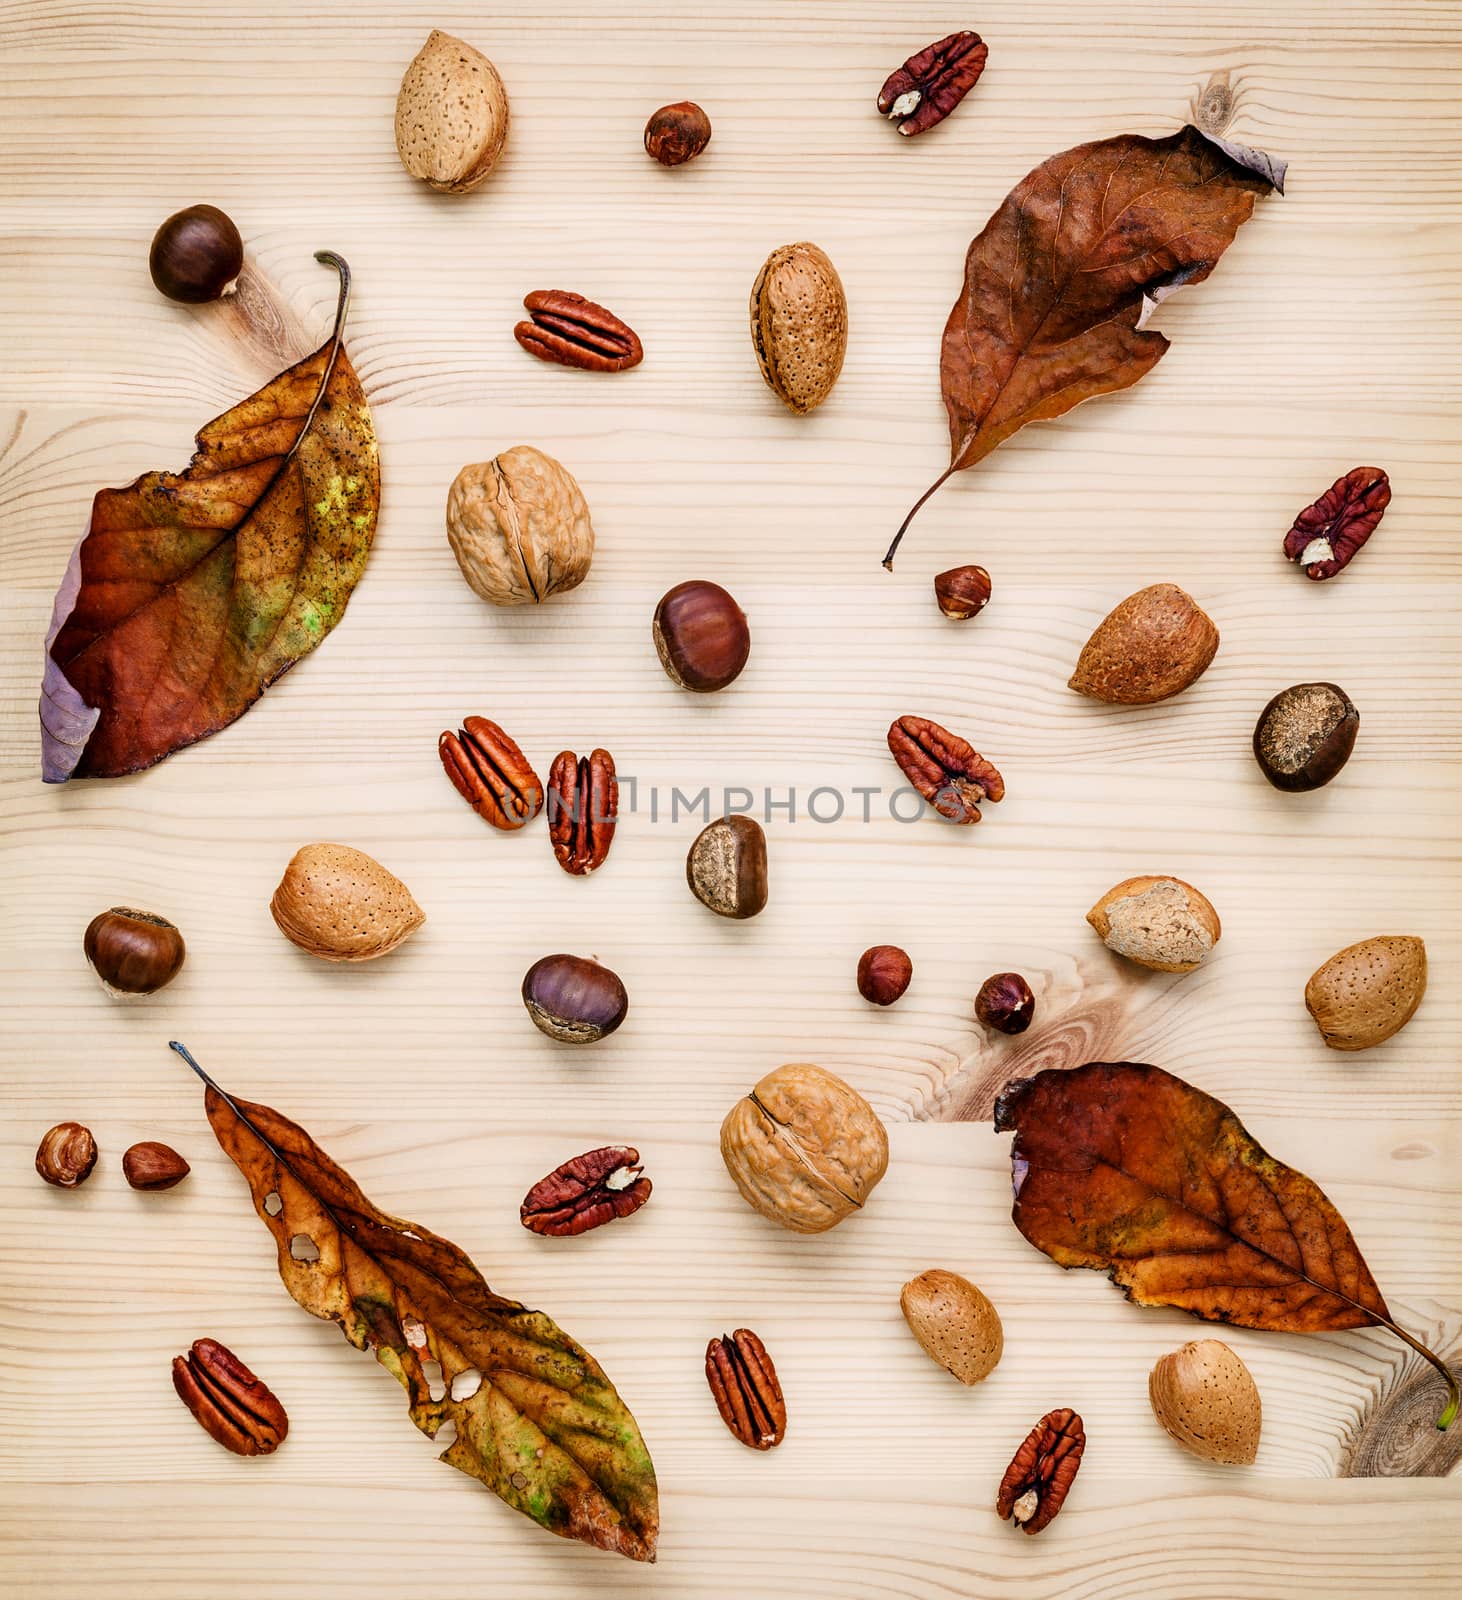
(962, 592)
(726, 867)
(1304, 736)
(197, 255)
(1005, 1002)
(883, 974)
(677, 134)
(701, 635)
(133, 952)
(574, 1000)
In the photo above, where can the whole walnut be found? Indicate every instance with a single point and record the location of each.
(804, 1148)
(519, 527)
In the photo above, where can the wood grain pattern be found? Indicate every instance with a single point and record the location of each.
(1327, 336)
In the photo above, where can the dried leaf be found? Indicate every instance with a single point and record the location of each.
(545, 1430)
(1126, 1168)
(191, 593)
(1060, 282)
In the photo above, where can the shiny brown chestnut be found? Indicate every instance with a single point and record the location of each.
(1304, 736)
(66, 1155)
(196, 255)
(573, 999)
(962, 592)
(701, 636)
(1005, 1002)
(677, 133)
(133, 952)
(884, 972)
(726, 867)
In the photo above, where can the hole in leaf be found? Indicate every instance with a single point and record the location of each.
(415, 1332)
(432, 1372)
(303, 1248)
(273, 1205)
(466, 1384)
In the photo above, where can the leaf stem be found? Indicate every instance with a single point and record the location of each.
(938, 483)
(1454, 1397)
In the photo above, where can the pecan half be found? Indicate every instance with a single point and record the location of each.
(229, 1402)
(574, 332)
(491, 773)
(932, 83)
(1327, 535)
(586, 1192)
(583, 809)
(1034, 1487)
(747, 1393)
(950, 774)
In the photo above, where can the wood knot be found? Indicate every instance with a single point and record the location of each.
(1213, 107)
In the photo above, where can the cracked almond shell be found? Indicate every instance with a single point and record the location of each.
(1161, 923)
(342, 905)
(1368, 991)
(804, 1148)
(954, 1322)
(1208, 1401)
(1149, 648)
(799, 325)
(451, 115)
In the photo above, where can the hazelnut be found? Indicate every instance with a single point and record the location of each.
(66, 1155)
(1368, 991)
(151, 1165)
(133, 952)
(678, 133)
(1161, 923)
(196, 255)
(1304, 736)
(1208, 1401)
(726, 867)
(701, 636)
(962, 592)
(1150, 647)
(574, 1000)
(519, 527)
(451, 115)
(804, 1148)
(883, 974)
(954, 1323)
(1005, 1002)
(342, 905)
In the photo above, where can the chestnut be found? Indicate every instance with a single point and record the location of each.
(678, 133)
(726, 867)
(883, 974)
(196, 255)
(1005, 1002)
(133, 952)
(1304, 736)
(701, 636)
(574, 1000)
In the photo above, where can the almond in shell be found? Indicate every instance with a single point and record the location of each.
(1149, 648)
(1161, 923)
(1368, 991)
(954, 1322)
(342, 905)
(799, 325)
(1208, 1401)
(451, 115)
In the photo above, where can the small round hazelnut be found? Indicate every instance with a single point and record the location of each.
(66, 1155)
(154, 1166)
(883, 974)
(1005, 1002)
(1304, 736)
(962, 592)
(574, 1000)
(701, 635)
(196, 255)
(726, 867)
(133, 952)
(678, 133)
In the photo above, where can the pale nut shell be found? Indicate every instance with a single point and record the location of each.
(1368, 991)
(954, 1322)
(1161, 923)
(1149, 648)
(342, 905)
(451, 115)
(799, 325)
(804, 1148)
(1208, 1401)
(519, 527)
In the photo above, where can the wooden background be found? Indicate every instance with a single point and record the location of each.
(1327, 337)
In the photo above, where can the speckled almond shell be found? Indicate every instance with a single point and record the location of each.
(451, 115)
(799, 325)
(1149, 648)
(954, 1322)
(1368, 991)
(1161, 923)
(1208, 1401)
(342, 905)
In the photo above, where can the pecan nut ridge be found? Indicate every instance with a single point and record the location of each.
(1036, 1482)
(931, 83)
(583, 810)
(586, 1192)
(946, 770)
(1327, 535)
(571, 331)
(491, 773)
(746, 1390)
(229, 1403)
